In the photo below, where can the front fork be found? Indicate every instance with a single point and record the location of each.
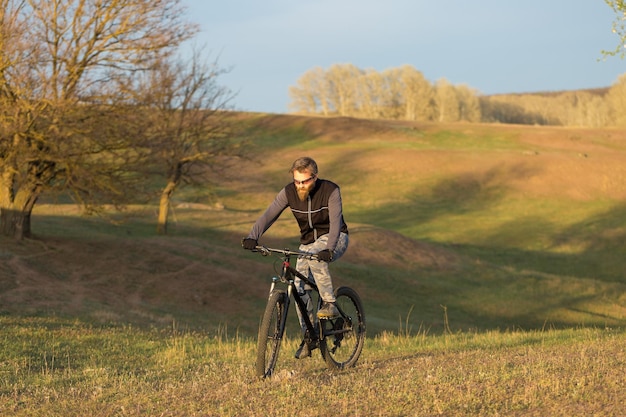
(283, 319)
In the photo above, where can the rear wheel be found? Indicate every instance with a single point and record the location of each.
(271, 333)
(344, 336)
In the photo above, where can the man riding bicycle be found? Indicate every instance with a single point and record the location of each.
(316, 205)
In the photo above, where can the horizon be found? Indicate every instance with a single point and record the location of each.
(491, 46)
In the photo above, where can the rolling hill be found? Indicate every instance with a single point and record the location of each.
(453, 227)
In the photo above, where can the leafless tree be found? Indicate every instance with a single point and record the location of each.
(446, 101)
(418, 93)
(617, 101)
(405, 94)
(60, 66)
(186, 125)
(469, 104)
(342, 82)
(310, 94)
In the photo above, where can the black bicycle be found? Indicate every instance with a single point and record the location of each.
(340, 339)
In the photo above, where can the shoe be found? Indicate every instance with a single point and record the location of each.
(303, 351)
(328, 311)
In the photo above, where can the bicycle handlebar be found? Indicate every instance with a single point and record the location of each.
(265, 251)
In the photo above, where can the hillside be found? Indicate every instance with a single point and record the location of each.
(453, 227)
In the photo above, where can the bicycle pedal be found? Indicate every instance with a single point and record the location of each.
(303, 351)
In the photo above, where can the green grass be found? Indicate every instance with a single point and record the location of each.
(56, 367)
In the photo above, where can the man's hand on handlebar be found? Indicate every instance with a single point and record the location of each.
(249, 244)
(326, 255)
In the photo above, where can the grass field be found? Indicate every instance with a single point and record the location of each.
(490, 260)
(55, 367)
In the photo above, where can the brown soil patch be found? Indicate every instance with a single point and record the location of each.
(387, 248)
(155, 280)
(128, 279)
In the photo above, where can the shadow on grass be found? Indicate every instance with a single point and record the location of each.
(492, 288)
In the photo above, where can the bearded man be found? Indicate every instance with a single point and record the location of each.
(316, 205)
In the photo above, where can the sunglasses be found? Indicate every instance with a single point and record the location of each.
(304, 182)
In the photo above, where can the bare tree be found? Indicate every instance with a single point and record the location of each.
(446, 101)
(186, 126)
(60, 63)
(418, 92)
(310, 94)
(393, 97)
(616, 99)
(469, 104)
(371, 95)
(342, 84)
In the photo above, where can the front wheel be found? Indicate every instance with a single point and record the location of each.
(343, 338)
(271, 333)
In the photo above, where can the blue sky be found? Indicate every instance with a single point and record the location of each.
(493, 46)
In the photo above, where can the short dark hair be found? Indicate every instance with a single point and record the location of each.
(303, 164)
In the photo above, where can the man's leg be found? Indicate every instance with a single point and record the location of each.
(302, 266)
(320, 269)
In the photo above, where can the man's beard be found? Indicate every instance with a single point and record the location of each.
(303, 194)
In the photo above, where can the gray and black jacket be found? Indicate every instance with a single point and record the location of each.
(321, 213)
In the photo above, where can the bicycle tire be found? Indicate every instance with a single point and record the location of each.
(271, 333)
(342, 349)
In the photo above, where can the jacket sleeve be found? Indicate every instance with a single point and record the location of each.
(268, 218)
(335, 214)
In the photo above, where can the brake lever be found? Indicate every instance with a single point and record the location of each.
(263, 250)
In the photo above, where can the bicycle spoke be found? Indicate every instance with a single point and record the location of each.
(344, 336)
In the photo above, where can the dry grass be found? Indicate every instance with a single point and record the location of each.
(53, 368)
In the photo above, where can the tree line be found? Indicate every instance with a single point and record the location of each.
(405, 94)
(96, 103)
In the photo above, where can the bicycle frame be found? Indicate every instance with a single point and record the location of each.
(287, 276)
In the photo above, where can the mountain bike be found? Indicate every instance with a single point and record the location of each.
(339, 339)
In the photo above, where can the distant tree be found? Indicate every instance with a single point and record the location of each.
(619, 26)
(418, 94)
(469, 104)
(616, 98)
(342, 82)
(391, 97)
(186, 126)
(446, 102)
(580, 108)
(404, 94)
(595, 111)
(310, 94)
(60, 63)
(396, 93)
(371, 95)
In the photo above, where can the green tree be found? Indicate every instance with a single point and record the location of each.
(63, 66)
